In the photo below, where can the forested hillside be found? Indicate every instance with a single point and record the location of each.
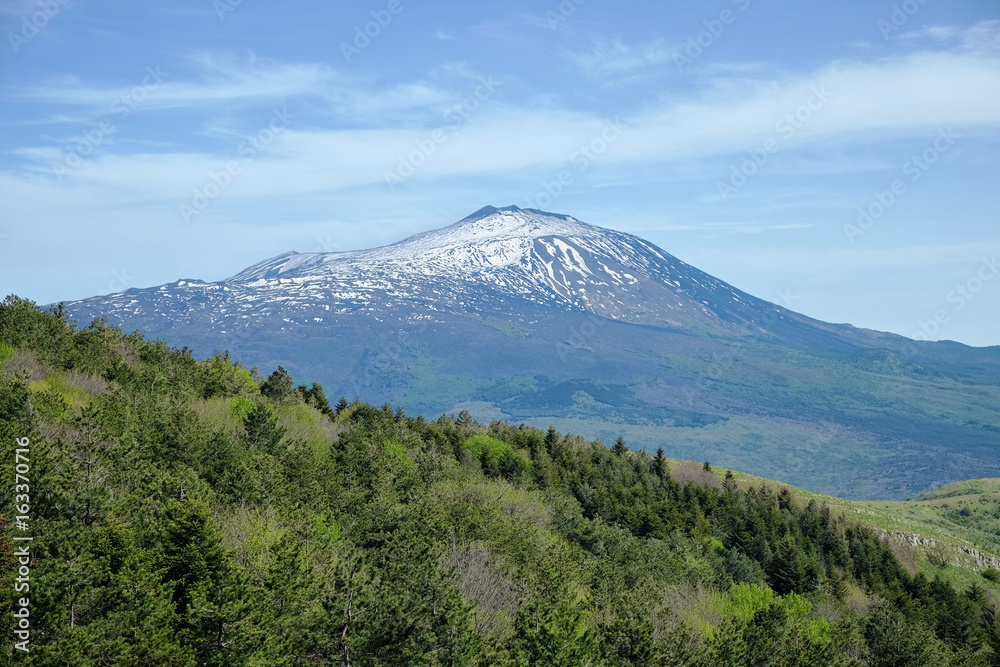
(191, 512)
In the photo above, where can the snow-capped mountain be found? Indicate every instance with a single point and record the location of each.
(497, 261)
(526, 315)
(510, 253)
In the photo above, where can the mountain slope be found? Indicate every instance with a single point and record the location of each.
(534, 316)
(495, 260)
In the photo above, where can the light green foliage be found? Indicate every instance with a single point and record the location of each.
(326, 528)
(747, 600)
(309, 425)
(243, 379)
(496, 457)
(219, 375)
(486, 449)
(395, 451)
(240, 407)
(58, 386)
(250, 534)
(6, 352)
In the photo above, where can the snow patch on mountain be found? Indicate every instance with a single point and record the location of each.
(496, 260)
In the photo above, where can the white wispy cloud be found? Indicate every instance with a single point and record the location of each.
(980, 37)
(983, 36)
(615, 58)
(903, 96)
(217, 81)
(228, 84)
(938, 33)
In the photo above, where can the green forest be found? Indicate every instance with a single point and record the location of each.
(188, 512)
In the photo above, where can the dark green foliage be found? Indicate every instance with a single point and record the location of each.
(551, 439)
(992, 639)
(894, 643)
(262, 431)
(787, 572)
(279, 386)
(182, 518)
(315, 397)
(729, 484)
(742, 568)
(554, 635)
(660, 466)
(24, 326)
(17, 416)
(630, 642)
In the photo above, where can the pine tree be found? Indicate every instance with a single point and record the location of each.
(551, 439)
(785, 500)
(838, 588)
(315, 397)
(992, 637)
(261, 428)
(192, 561)
(464, 420)
(729, 484)
(787, 572)
(629, 642)
(554, 634)
(128, 615)
(660, 464)
(764, 635)
(335, 552)
(278, 386)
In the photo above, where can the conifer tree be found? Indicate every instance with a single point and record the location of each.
(555, 635)
(315, 397)
(278, 386)
(787, 573)
(729, 483)
(261, 428)
(551, 439)
(660, 464)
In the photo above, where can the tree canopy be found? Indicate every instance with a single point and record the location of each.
(184, 514)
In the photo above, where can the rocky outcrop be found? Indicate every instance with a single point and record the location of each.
(983, 561)
(954, 555)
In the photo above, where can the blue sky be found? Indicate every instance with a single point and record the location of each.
(838, 158)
